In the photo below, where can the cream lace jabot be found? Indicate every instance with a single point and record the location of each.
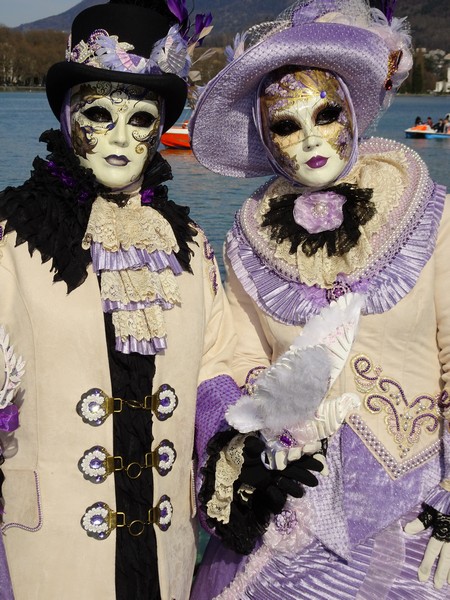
(133, 248)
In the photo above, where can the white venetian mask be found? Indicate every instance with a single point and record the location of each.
(307, 125)
(114, 130)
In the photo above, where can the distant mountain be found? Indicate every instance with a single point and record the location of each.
(430, 19)
(62, 21)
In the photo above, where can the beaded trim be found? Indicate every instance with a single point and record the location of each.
(405, 419)
(251, 379)
(394, 468)
(38, 526)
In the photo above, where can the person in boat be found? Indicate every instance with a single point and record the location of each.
(418, 121)
(430, 123)
(439, 126)
(341, 219)
(111, 312)
(446, 125)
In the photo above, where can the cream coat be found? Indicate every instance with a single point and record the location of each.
(62, 339)
(410, 343)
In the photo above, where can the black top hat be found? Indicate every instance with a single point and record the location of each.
(139, 25)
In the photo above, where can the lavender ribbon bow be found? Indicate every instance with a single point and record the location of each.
(310, 12)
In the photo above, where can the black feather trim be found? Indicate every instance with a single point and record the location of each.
(51, 210)
(358, 210)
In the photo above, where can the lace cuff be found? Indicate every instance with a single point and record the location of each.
(248, 514)
(228, 470)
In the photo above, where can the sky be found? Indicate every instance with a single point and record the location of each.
(16, 12)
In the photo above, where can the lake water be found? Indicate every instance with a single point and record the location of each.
(213, 199)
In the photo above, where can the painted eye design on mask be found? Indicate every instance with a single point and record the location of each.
(329, 114)
(97, 114)
(142, 119)
(285, 127)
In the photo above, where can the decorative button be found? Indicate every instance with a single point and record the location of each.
(97, 521)
(93, 464)
(100, 520)
(165, 401)
(95, 406)
(97, 464)
(165, 457)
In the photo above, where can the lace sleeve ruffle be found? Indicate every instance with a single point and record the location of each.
(247, 516)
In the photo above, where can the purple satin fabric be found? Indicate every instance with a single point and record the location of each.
(134, 258)
(110, 306)
(6, 591)
(440, 500)
(9, 418)
(312, 11)
(146, 347)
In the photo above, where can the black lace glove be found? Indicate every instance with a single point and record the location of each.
(437, 551)
(440, 523)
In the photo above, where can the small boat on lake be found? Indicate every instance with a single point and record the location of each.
(425, 132)
(178, 135)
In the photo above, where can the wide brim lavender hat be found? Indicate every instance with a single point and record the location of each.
(368, 49)
(140, 42)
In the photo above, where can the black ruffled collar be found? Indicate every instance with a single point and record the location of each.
(358, 210)
(51, 210)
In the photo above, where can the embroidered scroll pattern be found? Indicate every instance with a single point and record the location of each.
(405, 419)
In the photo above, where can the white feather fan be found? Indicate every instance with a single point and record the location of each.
(291, 390)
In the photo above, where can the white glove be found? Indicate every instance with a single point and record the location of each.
(436, 549)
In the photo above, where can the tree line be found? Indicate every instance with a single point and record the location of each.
(25, 57)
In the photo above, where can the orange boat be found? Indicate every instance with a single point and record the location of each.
(177, 136)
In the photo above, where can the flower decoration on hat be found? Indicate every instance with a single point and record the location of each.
(171, 54)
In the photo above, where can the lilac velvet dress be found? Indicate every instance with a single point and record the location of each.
(344, 539)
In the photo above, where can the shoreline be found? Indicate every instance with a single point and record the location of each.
(41, 88)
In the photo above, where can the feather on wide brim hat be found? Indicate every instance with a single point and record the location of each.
(322, 34)
(114, 42)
